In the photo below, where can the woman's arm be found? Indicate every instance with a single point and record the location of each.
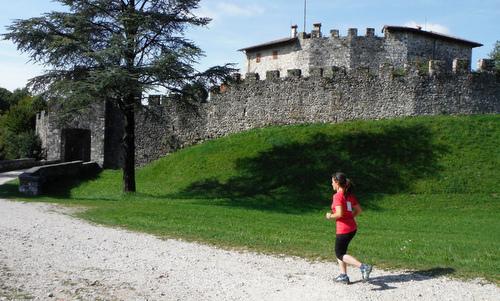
(357, 210)
(338, 213)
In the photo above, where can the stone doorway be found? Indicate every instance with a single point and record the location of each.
(75, 145)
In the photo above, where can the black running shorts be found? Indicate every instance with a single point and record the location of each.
(342, 242)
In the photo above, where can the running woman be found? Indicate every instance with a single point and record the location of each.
(345, 208)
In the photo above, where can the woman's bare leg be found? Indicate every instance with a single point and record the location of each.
(350, 260)
(342, 266)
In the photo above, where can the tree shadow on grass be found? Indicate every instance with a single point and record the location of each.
(383, 282)
(293, 177)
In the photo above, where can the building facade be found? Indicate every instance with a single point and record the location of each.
(400, 46)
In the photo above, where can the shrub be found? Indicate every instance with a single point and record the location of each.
(17, 128)
(22, 145)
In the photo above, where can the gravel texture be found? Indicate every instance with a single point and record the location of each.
(45, 254)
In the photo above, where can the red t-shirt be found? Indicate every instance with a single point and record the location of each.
(346, 223)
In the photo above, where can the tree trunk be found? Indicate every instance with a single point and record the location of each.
(129, 139)
(129, 148)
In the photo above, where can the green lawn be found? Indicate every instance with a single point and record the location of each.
(429, 187)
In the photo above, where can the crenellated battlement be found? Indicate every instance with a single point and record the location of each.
(335, 33)
(431, 68)
(433, 71)
(330, 95)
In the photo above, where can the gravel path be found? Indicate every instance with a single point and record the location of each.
(45, 254)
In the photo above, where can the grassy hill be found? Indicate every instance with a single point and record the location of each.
(429, 186)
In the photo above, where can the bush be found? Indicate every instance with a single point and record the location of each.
(22, 145)
(17, 128)
(5, 96)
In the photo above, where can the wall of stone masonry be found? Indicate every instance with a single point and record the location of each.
(333, 95)
(367, 52)
(165, 127)
(50, 126)
(326, 51)
(411, 47)
(326, 96)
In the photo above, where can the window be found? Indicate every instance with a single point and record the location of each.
(258, 57)
(275, 54)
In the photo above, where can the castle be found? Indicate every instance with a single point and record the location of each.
(400, 46)
(409, 72)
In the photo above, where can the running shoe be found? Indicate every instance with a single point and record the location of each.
(342, 278)
(365, 271)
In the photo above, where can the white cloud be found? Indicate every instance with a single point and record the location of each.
(234, 10)
(429, 26)
(206, 13)
(221, 9)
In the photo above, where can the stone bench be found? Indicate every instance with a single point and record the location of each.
(8, 165)
(35, 180)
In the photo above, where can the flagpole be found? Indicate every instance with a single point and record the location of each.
(305, 11)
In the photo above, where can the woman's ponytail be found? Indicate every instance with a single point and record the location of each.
(348, 187)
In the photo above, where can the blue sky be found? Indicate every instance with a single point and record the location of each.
(237, 24)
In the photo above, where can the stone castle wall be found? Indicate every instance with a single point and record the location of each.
(50, 130)
(325, 96)
(332, 95)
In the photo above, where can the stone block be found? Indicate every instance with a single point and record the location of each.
(272, 75)
(461, 66)
(352, 32)
(332, 71)
(436, 67)
(334, 33)
(30, 185)
(316, 72)
(8, 165)
(296, 73)
(252, 76)
(35, 180)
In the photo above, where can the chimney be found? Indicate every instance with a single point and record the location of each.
(316, 32)
(294, 31)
